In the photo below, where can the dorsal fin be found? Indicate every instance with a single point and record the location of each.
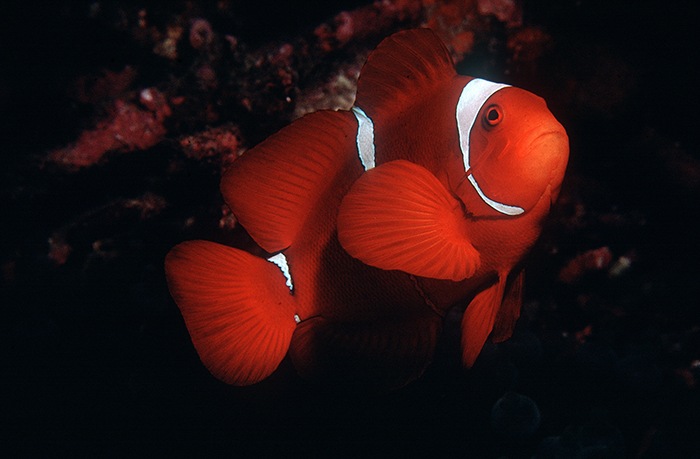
(401, 68)
(273, 187)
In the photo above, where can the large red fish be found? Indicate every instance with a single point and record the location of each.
(429, 191)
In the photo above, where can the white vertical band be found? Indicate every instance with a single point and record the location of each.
(474, 96)
(365, 138)
(281, 261)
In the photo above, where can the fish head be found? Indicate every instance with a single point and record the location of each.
(516, 153)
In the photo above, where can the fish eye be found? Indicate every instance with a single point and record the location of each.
(493, 115)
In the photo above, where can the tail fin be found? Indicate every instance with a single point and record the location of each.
(236, 307)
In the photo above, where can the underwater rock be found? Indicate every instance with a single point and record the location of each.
(515, 417)
(592, 260)
(125, 128)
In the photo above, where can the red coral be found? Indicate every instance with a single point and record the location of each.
(206, 76)
(90, 89)
(455, 21)
(593, 260)
(228, 219)
(148, 205)
(126, 128)
(462, 43)
(508, 11)
(220, 145)
(59, 249)
(528, 44)
(337, 93)
(201, 34)
(100, 221)
(374, 19)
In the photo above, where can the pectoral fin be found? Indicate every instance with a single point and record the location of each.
(399, 216)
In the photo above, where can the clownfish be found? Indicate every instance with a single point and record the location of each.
(429, 191)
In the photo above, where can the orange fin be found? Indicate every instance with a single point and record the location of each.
(400, 69)
(379, 355)
(509, 311)
(478, 320)
(399, 216)
(236, 307)
(272, 187)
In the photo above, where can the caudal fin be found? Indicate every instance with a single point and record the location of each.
(236, 307)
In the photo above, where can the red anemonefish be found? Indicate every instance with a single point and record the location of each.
(378, 219)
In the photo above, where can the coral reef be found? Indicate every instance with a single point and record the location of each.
(125, 128)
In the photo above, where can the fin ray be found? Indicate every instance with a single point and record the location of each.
(240, 328)
(399, 216)
(400, 68)
(272, 187)
(478, 320)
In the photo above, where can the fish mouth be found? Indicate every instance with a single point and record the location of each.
(558, 146)
(552, 142)
(548, 154)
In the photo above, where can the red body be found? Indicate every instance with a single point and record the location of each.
(378, 256)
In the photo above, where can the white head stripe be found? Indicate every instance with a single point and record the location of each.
(473, 97)
(281, 261)
(365, 138)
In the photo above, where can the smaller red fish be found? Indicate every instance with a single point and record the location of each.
(429, 191)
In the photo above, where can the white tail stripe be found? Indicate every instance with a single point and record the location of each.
(281, 261)
(365, 138)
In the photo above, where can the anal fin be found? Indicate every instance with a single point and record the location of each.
(478, 320)
(509, 312)
(236, 307)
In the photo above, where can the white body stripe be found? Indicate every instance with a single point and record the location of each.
(473, 97)
(281, 261)
(365, 138)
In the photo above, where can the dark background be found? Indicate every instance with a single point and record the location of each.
(95, 360)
